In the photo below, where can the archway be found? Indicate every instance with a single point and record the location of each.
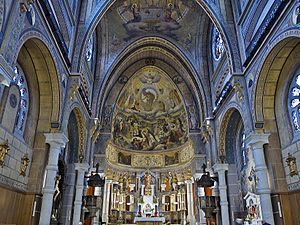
(38, 67)
(234, 152)
(271, 108)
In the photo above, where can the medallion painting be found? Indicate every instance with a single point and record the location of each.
(149, 114)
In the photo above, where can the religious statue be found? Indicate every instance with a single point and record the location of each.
(4, 148)
(24, 164)
(148, 180)
(56, 198)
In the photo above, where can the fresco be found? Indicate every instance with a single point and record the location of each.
(129, 20)
(152, 16)
(149, 113)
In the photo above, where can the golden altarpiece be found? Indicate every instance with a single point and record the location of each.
(158, 193)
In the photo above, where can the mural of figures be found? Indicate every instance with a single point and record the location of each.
(150, 114)
(152, 16)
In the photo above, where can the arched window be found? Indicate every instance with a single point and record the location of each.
(89, 49)
(20, 81)
(218, 47)
(244, 154)
(294, 102)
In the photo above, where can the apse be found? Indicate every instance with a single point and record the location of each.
(150, 113)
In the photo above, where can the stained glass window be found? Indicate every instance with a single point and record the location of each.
(218, 47)
(89, 49)
(244, 155)
(294, 102)
(20, 81)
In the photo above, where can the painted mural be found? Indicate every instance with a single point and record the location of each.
(143, 16)
(150, 114)
(132, 19)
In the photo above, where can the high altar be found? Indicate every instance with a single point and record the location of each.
(148, 196)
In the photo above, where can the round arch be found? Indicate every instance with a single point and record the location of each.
(101, 8)
(77, 134)
(167, 56)
(40, 70)
(233, 112)
(271, 69)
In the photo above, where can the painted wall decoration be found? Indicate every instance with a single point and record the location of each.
(150, 114)
(143, 16)
(128, 20)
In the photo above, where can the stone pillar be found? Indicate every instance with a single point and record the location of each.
(106, 197)
(256, 141)
(190, 202)
(221, 169)
(81, 168)
(56, 142)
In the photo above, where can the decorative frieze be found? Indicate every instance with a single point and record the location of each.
(150, 159)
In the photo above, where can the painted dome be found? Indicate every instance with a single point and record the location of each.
(150, 114)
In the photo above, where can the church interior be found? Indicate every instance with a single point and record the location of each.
(149, 112)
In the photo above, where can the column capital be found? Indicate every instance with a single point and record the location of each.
(220, 167)
(82, 166)
(56, 139)
(257, 140)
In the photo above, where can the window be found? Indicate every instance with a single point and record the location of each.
(244, 154)
(294, 103)
(89, 49)
(20, 81)
(218, 47)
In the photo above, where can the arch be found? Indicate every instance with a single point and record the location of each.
(39, 68)
(228, 115)
(100, 9)
(279, 63)
(268, 76)
(163, 51)
(76, 133)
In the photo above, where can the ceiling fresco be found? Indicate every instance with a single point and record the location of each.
(176, 20)
(150, 114)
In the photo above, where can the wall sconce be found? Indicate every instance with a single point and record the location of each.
(291, 162)
(4, 148)
(24, 164)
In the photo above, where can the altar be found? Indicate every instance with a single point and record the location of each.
(149, 220)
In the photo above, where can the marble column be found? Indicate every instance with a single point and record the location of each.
(106, 197)
(221, 169)
(190, 202)
(256, 142)
(56, 141)
(81, 168)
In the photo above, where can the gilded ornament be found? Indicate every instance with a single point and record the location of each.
(189, 174)
(239, 91)
(73, 91)
(24, 164)
(292, 164)
(108, 174)
(4, 148)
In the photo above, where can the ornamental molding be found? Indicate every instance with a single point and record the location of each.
(150, 159)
